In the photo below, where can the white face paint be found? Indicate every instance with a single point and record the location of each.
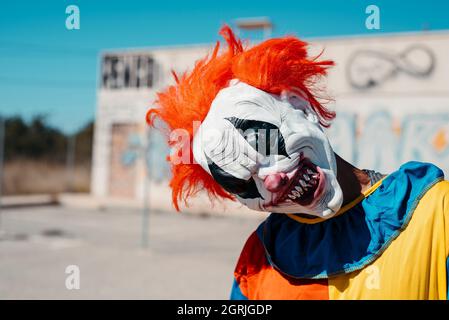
(269, 151)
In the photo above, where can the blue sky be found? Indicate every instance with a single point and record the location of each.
(47, 69)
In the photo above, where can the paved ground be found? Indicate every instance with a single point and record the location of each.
(190, 257)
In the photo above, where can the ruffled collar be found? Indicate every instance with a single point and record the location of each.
(356, 236)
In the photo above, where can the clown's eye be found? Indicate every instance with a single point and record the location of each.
(264, 137)
(245, 189)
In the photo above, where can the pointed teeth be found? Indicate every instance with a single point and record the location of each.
(310, 171)
(306, 177)
(291, 196)
(296, 193)
(302, 183)
(298, 188)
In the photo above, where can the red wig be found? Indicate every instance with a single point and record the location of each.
(274, 65)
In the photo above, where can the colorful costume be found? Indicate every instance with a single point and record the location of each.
(247, 125)
(392, 243)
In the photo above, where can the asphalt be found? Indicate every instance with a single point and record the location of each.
(189, 257)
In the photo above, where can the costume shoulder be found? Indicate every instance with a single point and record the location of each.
(415, 253)
(439, 192)
(436, 202)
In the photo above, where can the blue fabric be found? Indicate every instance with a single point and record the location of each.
(236, 293)
(354, 239)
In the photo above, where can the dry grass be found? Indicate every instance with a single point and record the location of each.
(28, 176)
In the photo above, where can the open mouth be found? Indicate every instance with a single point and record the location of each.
(305, 187)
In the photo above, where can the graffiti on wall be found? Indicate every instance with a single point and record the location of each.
(367, 69)
(152, 149)
(384, 143)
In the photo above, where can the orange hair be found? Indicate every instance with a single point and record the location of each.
(274, 65)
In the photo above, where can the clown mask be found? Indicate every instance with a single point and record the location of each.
(269, 151)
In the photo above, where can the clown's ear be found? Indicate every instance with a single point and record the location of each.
(299, 102)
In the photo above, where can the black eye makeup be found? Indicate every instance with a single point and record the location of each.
(245, 189)
(264, 137)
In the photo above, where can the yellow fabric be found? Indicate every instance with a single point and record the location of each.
(343, 209)
(414, 265)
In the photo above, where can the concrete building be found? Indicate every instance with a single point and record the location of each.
(391, 96)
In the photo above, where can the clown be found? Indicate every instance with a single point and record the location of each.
(335, 231)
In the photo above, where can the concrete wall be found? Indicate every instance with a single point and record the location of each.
(404, 115)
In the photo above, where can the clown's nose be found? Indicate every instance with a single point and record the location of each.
(274, 182)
